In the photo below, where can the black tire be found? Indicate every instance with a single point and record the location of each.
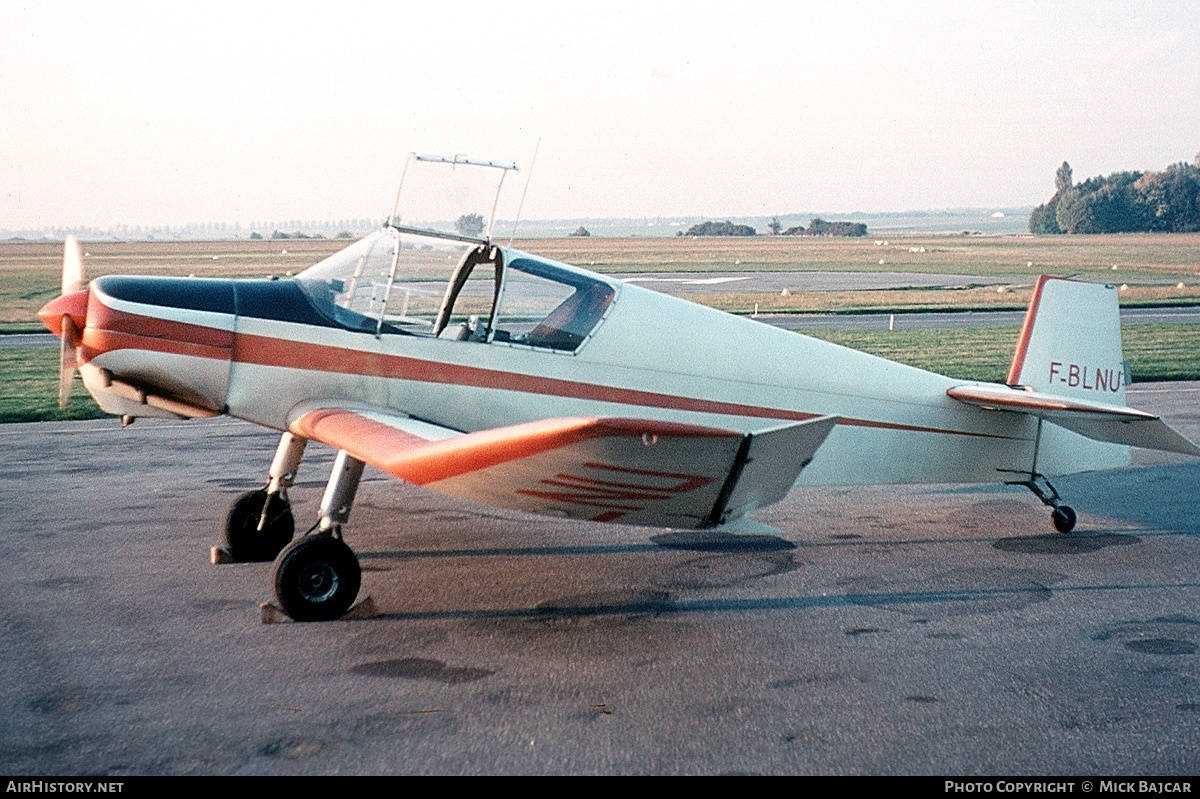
(244, 541)
(316, 578)
(1063, 518)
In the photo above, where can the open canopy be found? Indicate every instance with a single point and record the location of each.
(397, 281)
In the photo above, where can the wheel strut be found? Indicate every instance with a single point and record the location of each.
(1061, 516)
(284, 467)
(317, 576)
(259, 523)
(339, 494)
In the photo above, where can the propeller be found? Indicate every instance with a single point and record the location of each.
(72, 276)
(68, 358)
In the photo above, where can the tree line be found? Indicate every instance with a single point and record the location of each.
(820, 227)
(816, 227)
(1123, 202)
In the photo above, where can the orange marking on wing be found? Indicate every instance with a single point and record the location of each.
(1035, 402)
(364, 438)
(422, 462)
(589, 491)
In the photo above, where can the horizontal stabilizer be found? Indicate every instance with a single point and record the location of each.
(1096, 420)
(636, 471)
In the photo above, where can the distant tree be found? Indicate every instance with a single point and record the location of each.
(720, 229)
(256, 235)
(1062, 179)
(1167, 201)
(774, 226)
(581, 231)
(1100, 205)
(469, 225)
(277, 234)
(1170, 200)
(1043, 221)
(344, 234)
(819, 227)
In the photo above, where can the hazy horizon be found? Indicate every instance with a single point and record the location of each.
(991, 221)
(131, 113)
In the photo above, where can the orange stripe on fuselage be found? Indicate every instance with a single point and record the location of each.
(97, 342)
(103, 317)
(186, 338)
(267, 351)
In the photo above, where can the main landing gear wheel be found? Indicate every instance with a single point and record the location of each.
(244, 540)
(316, 578)
(1063, 518)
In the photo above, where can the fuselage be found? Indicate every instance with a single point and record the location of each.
(257, 349)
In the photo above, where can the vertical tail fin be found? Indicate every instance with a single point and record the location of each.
(1070, 344)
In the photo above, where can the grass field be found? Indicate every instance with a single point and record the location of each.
(30, 271)
(1155, 352)
(1162, 257)
(29, 390)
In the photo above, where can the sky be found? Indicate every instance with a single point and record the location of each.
(154, 113)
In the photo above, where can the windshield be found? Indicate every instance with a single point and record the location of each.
(544, 304)
(356, 289)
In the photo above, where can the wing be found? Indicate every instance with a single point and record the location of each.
(635, 471)
(1112, 423)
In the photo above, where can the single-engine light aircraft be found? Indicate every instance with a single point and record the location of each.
(495, 375)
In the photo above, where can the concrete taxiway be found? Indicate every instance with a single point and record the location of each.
(684, 283)
(939, 629)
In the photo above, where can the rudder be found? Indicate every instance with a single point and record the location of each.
(1070, 343)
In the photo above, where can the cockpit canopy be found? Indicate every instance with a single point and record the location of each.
(395, 282)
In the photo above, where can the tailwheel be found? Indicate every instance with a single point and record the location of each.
(258, 526)
(1063, 518)
(316, 578)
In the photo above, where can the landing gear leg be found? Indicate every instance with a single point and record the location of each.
(1061, 516)
(317, 577)
(260, 523)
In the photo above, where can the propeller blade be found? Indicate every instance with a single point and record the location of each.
(68, 360)
(72, 274)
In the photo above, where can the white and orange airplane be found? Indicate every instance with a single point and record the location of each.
(502, 377)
